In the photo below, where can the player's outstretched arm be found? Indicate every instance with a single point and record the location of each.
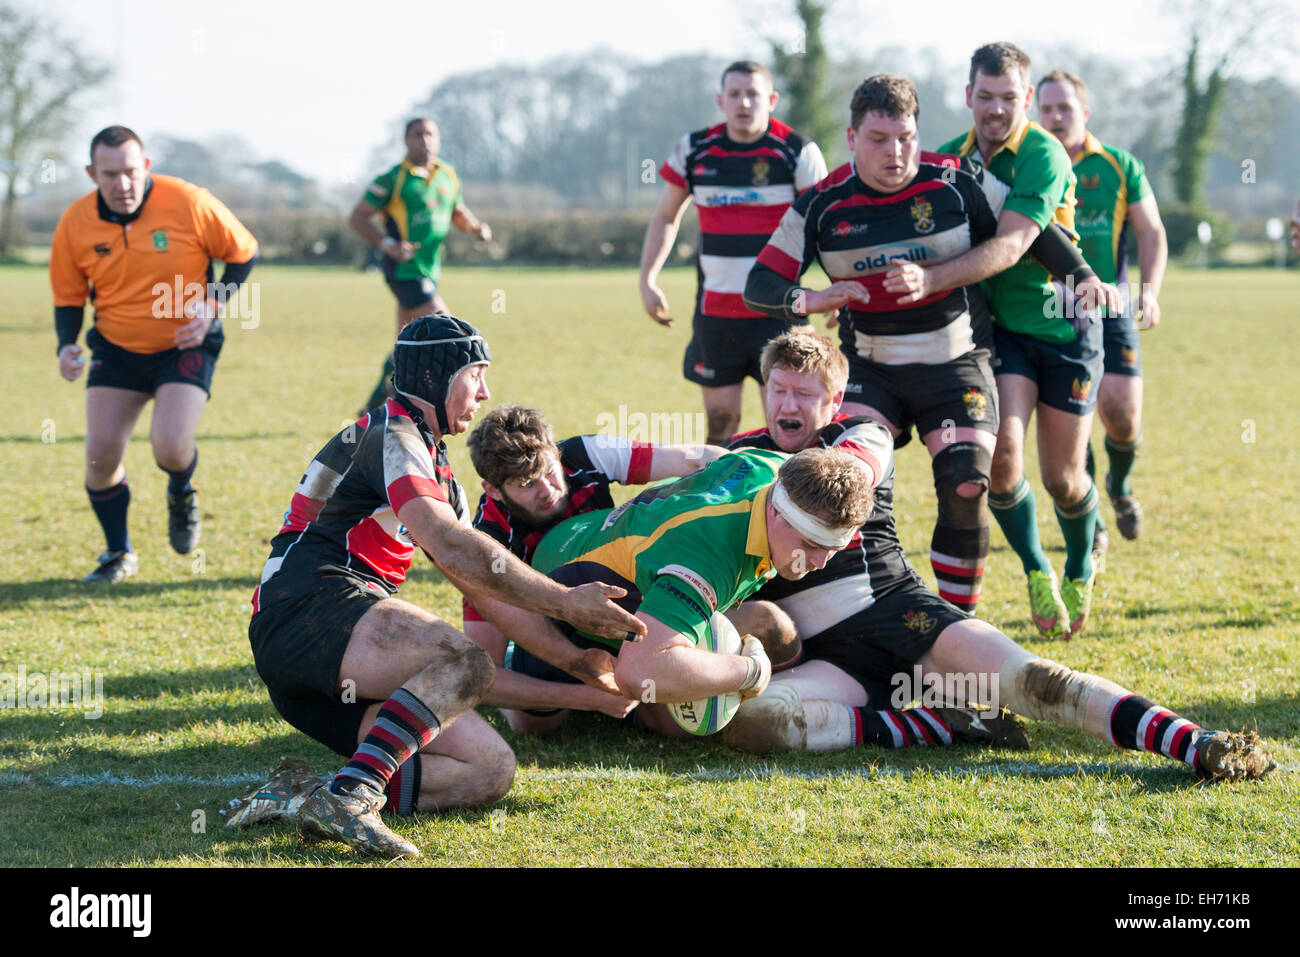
(465, 220)
(524, 692)
(675, 461)
(535, 633)
(659, 237)
(666, 667)
(472, 556)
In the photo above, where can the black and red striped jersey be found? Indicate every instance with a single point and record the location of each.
(343, 516)
(856, 232)
(872, 564)
(591, 463)
(741, 190)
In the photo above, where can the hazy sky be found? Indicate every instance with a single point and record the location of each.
(319, 85)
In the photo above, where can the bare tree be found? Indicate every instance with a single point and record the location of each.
(41, 75)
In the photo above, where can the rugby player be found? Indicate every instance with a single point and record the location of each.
(367, 674)
(530, 484)
(142, 246)
(913, 359)
(866, 622)
(743, 174)
(686, 549)
(1113, 193)
(1047, 352)
(419, 201)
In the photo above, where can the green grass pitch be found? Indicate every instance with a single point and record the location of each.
(1199, 615)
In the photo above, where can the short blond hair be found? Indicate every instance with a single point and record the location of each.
(512, 443)
(830, 485)
(803, 349)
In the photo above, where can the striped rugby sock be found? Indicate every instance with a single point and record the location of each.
(899, 729)
(957, 556)
(404, 789)
(1140, 725)
(403, 726)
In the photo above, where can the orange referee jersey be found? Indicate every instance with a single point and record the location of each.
(131, 271)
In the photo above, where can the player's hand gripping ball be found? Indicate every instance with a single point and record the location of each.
(710, 715)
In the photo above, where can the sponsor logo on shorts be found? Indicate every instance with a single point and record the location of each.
(977, 406)
(762, 170)
(704, 371)
(919, 621)
(190, 364)
(159, 240)
(1128, 356)
(922, 215)
(1080, 389)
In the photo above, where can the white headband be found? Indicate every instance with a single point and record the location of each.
(809, 526)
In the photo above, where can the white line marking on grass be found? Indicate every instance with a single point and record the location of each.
(701, 773)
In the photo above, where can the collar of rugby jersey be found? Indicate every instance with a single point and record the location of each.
(969, 146)
(122, 219)
(1090, 145)
(756, 542)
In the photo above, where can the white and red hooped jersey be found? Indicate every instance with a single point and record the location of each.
(742, 190)
(591, 463)
(343, 516)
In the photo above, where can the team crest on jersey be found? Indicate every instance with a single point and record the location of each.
(1080, 390)
(762, 169)
(1090, 182)
(977, 406)
(919, 621)
(159, 240)
(922, 215)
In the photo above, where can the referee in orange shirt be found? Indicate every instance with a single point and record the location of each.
(141, 248)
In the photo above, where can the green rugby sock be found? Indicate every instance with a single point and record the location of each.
(1078, 523)
(1121, 455)
(1017, 516)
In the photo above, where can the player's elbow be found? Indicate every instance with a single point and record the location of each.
(634, 675)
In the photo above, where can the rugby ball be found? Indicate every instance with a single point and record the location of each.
(710, 715)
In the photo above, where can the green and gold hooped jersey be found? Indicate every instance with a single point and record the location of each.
(1036, 167)
(1110, 180)
(683, 550)
(417, 209)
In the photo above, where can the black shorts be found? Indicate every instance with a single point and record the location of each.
(413, 292)
(1123, 352)
(723, 351)
(960, 394)
(120, 368)
(885, 639)
(298, 645)
(1066, 373)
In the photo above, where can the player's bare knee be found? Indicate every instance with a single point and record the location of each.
(479, 671)
(498, 773)
(769, 624)
(173, 454)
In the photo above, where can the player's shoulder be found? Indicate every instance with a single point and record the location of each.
(838, 178)
(786, 135)
(706, 136)
(1036, 139)
(174, 187)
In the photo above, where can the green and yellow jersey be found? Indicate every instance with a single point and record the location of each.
(417, 209)
(1037, 168)
(1110, 180)
(683, 549)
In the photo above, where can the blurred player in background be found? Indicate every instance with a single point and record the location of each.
(141, 247)
(743, 174)
(1113, 193)
(419, 201)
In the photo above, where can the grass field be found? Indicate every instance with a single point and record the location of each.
(1200, 615)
